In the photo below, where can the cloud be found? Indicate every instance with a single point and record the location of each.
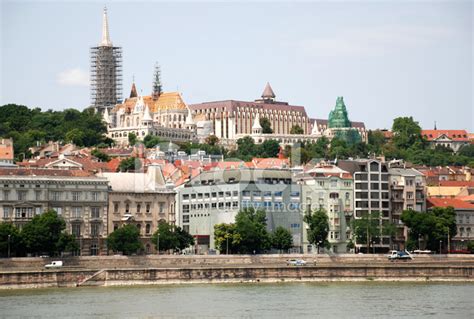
(373, 41)
(73, 77)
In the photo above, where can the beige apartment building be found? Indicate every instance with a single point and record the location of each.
(141, 199)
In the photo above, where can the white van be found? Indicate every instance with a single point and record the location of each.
(54, 264)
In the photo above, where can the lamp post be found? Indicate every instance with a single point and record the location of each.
(158, 243)
(440, 242)
(373, 247)
(419, 241)
(9, 236)
(227, 244)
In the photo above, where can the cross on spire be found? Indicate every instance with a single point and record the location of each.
(105, 31)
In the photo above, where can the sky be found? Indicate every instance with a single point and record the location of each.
(386, 58)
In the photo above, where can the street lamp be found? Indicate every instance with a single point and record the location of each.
(9, 236)
(158, 243)
(227, 244)
(419, 241)
(319, 244)
(373, 247)
(440, 242)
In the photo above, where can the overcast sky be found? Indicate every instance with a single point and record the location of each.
(386, 59)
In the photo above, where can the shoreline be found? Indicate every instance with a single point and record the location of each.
(114, 277)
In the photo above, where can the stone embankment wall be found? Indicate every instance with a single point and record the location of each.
(154, 261)
(449, 269)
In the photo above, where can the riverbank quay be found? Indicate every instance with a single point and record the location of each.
(151, 270)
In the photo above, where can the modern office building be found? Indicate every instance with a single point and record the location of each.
(77, 196)
(371, 194)
(215, 197)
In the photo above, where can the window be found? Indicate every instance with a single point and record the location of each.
(185, 208)
(410, 195)
(76, 212)
(37, 210)
(235, 193)
(246, 193)
(235, 204)
(267, 194)
(94, 250)
(127, 208)
(348, 196)
(321, 183)
(185, 218)
(213, 194)
(333, 183)
(185, 196)
(147, 229)
(95, 212)
(148, 208)
(38, 195)
(95, 196)
(228, 194)
(76, 196)
(5, 195)
(22, 195)
(161, 207)
(58, 210)
(139, 207)
(76, 230)
(116, 208)
(95, 229)
(257, 193)
(278, 194)
(6, 211)
(139, 228)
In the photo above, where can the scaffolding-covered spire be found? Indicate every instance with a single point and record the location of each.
(105, 31)
(157, 87)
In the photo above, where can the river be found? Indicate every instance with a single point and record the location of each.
(286, 300)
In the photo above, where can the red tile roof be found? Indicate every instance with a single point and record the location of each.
(456, 183)
(6, 149)
(448, 202)
(455, 135)
(43, 172)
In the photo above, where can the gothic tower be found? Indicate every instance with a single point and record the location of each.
(106, 71)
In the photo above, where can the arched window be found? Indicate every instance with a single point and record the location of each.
(147, 229)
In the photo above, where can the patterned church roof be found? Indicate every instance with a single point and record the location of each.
(166, 101)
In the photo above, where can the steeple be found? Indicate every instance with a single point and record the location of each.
(435, 126)
(157, 87)
(105, 31)
(133, 92)
(268, 93)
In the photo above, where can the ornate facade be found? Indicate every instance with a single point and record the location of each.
(164, 115)
(230, 119)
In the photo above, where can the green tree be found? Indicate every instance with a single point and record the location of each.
(75, 136)
(406, 132)
(100, 155)
(269, 148)
(43, 232)
(226, 238)
(185, 239)
(470, 246)
(375, 141)
(132, 139)
(467, 150)
(246, 148)
(125, 239)
(296, 129)
(150, 141)
(281, 239)
(266, 125)
(367, 228)
(318, 223)
(251, 228)
(130, 164)
(432, 226)
(67, 243)
(165, 237)
(10, 235)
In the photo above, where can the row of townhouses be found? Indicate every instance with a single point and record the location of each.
(94, 205)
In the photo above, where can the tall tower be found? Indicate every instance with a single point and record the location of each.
(106, 71)
(157, 87)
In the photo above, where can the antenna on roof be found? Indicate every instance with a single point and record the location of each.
(435, 126)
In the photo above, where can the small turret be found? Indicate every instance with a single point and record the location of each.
(256, 127)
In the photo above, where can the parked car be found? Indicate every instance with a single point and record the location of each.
(296, 262)
(399, 255)
(54, 264)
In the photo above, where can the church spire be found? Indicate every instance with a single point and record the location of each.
(105, 31)
(268, 93)
(157, 87)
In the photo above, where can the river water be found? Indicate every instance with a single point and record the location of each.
(286, 300)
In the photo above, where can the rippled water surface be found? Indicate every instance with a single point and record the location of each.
(288, 300)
